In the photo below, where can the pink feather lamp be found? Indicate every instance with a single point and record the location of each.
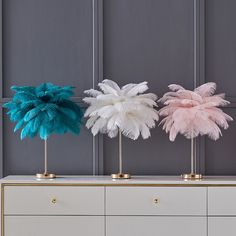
(193, 113)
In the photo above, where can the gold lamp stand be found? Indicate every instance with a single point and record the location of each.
(193, 175)
(120, 175)
(45, 175)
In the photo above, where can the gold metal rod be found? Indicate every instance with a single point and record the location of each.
(120, 174)
(45, 175)
(193, 155)
(193, 174)
(45, 157)
(120, 153)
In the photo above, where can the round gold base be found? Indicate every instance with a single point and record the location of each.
(45, 176)
(120, 176)
(191, 176)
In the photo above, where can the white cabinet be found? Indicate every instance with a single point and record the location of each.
(99, 206)
(54, 225)
(156, 225)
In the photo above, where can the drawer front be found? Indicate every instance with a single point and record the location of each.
(219, 226)
(54, 225)
(53, 200)
(222, 200)
(156, 201)
(156, 225)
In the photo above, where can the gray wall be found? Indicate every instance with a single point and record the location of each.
(80, 42)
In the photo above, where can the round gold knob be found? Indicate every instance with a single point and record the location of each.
(54, 200)
(156, 200)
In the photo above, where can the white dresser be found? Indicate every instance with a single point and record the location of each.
(98, 206)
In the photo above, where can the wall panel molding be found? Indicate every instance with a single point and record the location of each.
(154, 41)
(220, 63)
(1, 144)
(199, 68)
(1, 110)
(97, 77)
(97, 74)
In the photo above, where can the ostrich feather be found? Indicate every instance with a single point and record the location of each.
(175, 87)
(206, 89)
(126, 109)
(44, 110)
(138, 88)
(193, 113)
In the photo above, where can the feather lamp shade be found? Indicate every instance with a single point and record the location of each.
(126, 109)
(193, 113)
(44, 110)
(123, 110)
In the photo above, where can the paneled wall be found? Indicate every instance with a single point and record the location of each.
(48, 40)
(80, 42)
(221, 68)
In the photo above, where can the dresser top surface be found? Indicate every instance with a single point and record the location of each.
(106, 180)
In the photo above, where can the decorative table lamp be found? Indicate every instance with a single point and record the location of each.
(193, 113)
(115, 110)
(44, 110)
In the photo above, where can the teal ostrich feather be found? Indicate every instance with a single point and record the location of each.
(44, 110)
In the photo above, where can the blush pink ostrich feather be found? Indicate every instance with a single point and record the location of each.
(193, 113)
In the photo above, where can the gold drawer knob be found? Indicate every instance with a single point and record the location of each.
(54, 200)
(156, 200)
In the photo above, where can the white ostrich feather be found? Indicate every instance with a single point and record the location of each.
(92, 92)
(125, 109)
(193, 113)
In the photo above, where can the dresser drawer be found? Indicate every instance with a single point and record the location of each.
(54, 225)
(218, 226)
(156, 201)
(53, 200)
(156, 225)
(222, 200)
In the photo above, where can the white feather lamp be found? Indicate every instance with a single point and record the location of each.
(193, 113)
(125, 110)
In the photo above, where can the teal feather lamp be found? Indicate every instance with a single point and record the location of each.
(42, 111)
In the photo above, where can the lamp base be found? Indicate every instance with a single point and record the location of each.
(191, 176)
(45, 176)
(120, 176)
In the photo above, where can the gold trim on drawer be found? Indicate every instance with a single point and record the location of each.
(119, 185)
